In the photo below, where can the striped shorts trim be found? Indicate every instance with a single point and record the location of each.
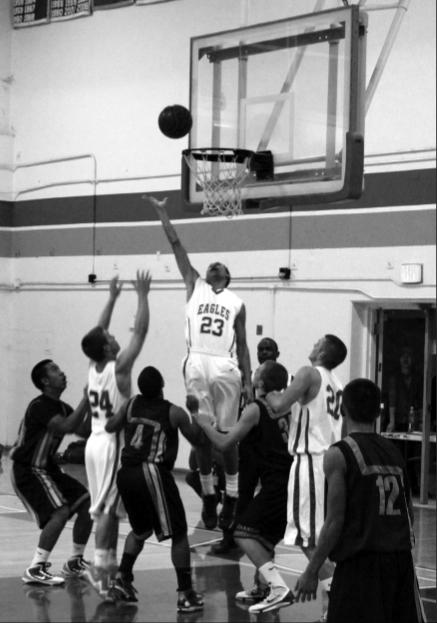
(306, 500)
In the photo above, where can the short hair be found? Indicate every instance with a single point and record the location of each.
(274, 376)
(39, 371)
(362, 400)
(335, 353)
(93, 344)
(150, 382)
(272, 342)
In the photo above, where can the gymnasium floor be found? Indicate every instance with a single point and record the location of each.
(219, 578)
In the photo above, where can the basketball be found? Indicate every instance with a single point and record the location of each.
(175, 121)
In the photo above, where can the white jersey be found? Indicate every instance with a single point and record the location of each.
(104, 396)
(210, 320)
(317, 424)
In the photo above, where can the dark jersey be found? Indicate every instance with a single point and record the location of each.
(376, 516)
(270, 440)
(36, 445)
(149, 435)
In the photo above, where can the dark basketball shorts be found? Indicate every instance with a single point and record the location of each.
(375, 587)
(152, 501)
(43, 492)
(265, 518)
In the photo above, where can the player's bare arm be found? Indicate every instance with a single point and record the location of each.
(188, 272)
(243, 354)
(117, 421)
(223, 441)
(301, 388)
(114, 292)
(66, 425)
(334, 467)
(192, 432)
(127, 357)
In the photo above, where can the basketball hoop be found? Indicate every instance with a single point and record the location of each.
(220, 173)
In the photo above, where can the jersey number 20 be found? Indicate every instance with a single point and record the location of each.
(333, 402)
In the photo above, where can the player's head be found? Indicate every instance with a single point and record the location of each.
(46, 374)
(271, 376)
(267, 350)
(329, 352)
(98, 344)
(361, 401)
(150, 382)
(218, 275)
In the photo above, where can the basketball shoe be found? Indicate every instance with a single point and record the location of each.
(255, 594)
(277, 597)
(75, 567)
(39, 575)
(189, 601)
(122, 591)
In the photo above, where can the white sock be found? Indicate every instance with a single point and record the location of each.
(101, 558)
(40, 555)
(207, 483)
(232, 485)
(271, 575)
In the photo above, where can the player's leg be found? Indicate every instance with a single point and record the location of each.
(188, 599)
(42, 498)
(78, 500)
(226, 392)
(259, 529)
(305, 513)
(102, 458)
(132, 485)
(196, 374)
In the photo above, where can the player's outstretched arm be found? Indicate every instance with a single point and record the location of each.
(297, 390)
(189, 428)
(114, 292)
(223, 441)
(188, 272)
(127, 357)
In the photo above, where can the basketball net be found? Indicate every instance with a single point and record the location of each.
(220, 173)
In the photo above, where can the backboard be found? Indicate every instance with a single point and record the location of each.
(293, 87)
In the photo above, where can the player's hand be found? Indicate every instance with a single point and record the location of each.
(142, 283)
(115, 287)
(306, 586)
(390, 427)
(158, 205)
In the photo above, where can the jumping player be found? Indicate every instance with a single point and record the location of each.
(261, 526)
(109, 386)
(50, 495)
(368, 526)
(217, 366)
(148, 488)
(315, 393)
